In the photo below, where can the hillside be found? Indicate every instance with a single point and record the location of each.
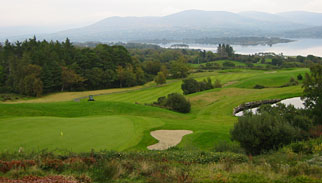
(315, 32)
(190, 24)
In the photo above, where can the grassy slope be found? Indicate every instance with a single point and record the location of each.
(220, 62)
(115, 122)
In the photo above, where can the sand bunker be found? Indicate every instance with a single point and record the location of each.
(167, 138)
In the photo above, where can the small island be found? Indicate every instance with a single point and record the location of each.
(177, 46)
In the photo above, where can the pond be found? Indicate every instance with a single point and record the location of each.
(297, 102)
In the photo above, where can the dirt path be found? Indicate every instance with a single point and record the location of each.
(167, 138)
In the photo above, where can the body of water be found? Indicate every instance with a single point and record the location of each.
(296, 102)
(302, 47)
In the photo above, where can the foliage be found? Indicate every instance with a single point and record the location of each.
(224, 50)
(175, 165)
(178, 102)
(179, 68)
(257, 86)
(271, 128)
(104, 171)
(191, 85)
(160, 78)
(70, 79)
(261, 133)
(299, 77)
(33, 67)
(277, 61)
(175, 102)
(217, 84)
(313, 92)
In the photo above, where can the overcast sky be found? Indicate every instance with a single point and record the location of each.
(83, 12)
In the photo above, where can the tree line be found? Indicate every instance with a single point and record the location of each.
(36, 67)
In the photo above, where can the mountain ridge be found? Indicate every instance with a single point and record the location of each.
(191, 24)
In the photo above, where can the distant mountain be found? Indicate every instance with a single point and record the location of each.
(303, 17)
(315, 32)
(190, 24)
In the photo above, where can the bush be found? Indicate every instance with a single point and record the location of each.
(259, 86)
(299, 77)
(105, 171)
(305, 169)
(263, 132)
(178, 102)
(190, 86)
(193, 86)
(296, 117)
(271, 127)
(175, 102)
(217, 84)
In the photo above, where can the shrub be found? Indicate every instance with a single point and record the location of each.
(271, 127)
(193, 86)
(105, 171)
(259, 86)
(262, 132)
(296, 117)
(190, 86)
(175, 102)
(305, 169)
(178, 102)
(217, 84)
(299, 77)
(53, 164)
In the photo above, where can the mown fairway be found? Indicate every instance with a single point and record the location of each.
(115, 122)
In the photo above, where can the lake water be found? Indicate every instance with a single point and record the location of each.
(302, 47)
(296, 102)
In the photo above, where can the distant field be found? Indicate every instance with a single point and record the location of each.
(115, 122)
(220, 62)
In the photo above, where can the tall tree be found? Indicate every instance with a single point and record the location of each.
(160, 79)
(313, 92)
(70, 78)
(179, 68)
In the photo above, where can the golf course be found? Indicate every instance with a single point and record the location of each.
(119, 120)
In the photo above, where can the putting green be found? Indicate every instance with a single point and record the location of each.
(75, 134)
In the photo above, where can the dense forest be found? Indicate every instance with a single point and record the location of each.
(36, 67)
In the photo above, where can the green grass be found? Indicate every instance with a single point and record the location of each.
(271, 79)
(114, 122)
(78, 134)
(220, 62)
